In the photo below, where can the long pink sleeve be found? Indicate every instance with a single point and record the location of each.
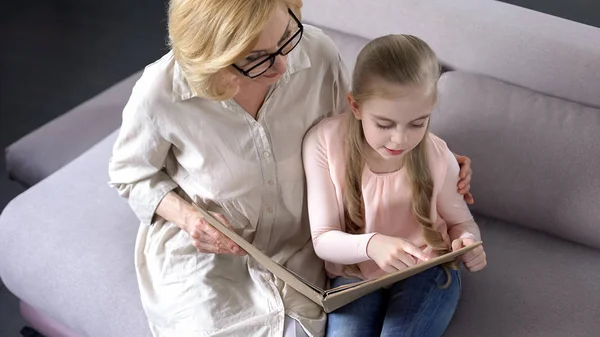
(330, 241)
(451, 205)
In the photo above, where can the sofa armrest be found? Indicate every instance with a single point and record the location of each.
(47, 149)
(66, 248)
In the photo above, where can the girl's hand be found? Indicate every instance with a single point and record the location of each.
(392, 254)
(464, 184)
(208, 239)
(475, 259)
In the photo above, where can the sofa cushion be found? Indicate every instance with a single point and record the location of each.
(536, 159)
(514, 44)
(348, 45)
(66, 248)
(45, 150)
(534, 285)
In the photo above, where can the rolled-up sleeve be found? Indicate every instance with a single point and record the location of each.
(136, 166)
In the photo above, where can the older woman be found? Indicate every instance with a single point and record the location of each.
(219, 121)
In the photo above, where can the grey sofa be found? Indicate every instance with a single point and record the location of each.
(522, 99)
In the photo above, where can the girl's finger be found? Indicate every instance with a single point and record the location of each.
(415, 251)
(475, 260)
(391, 268)
(474, 254)
(397, 264)
(405, 260)
(478, 266)
(457, 244)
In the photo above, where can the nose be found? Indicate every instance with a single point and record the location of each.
(399, 137)
(280, 64)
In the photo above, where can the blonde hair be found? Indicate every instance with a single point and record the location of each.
(402, 60)
(207, 36)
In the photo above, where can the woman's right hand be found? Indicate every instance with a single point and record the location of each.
(208, 239)
(392, 254)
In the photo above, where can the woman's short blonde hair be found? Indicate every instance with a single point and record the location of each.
(207, 36)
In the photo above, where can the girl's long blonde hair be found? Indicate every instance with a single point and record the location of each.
(207, 36)
(401, 60)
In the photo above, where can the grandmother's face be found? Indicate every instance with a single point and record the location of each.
(278, 30)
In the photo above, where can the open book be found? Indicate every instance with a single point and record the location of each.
(335, 298)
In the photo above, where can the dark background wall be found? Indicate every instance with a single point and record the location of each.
(583, 11)
(56, 54)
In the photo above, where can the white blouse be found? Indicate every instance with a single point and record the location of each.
(228, 162)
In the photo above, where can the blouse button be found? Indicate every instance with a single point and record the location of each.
(266, 154)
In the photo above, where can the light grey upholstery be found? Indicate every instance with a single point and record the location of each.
(513, 44)
(45, 150)
(536, 158)
(66, 248)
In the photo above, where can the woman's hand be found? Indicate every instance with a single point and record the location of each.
(464, 184)
(475, 259)
(392, 254)
(205, 237)
(208, 239)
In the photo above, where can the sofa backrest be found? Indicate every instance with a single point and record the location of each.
(548, 54)
(536, 158)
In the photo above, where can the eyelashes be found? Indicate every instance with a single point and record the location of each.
(385, 127)
(252, 58)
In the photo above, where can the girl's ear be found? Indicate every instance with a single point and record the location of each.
(354, 106)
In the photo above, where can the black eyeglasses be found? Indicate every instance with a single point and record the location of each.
(260, 66)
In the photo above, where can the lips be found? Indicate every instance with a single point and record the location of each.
(394, 152)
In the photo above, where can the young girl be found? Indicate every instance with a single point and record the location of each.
(382, 195)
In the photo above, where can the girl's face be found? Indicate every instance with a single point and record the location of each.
(393, 126)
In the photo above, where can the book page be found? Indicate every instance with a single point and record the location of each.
(309, 290)
(338, 297)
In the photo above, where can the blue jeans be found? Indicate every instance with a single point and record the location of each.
(411, 307)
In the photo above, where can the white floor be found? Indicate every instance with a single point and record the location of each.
(11, 321)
